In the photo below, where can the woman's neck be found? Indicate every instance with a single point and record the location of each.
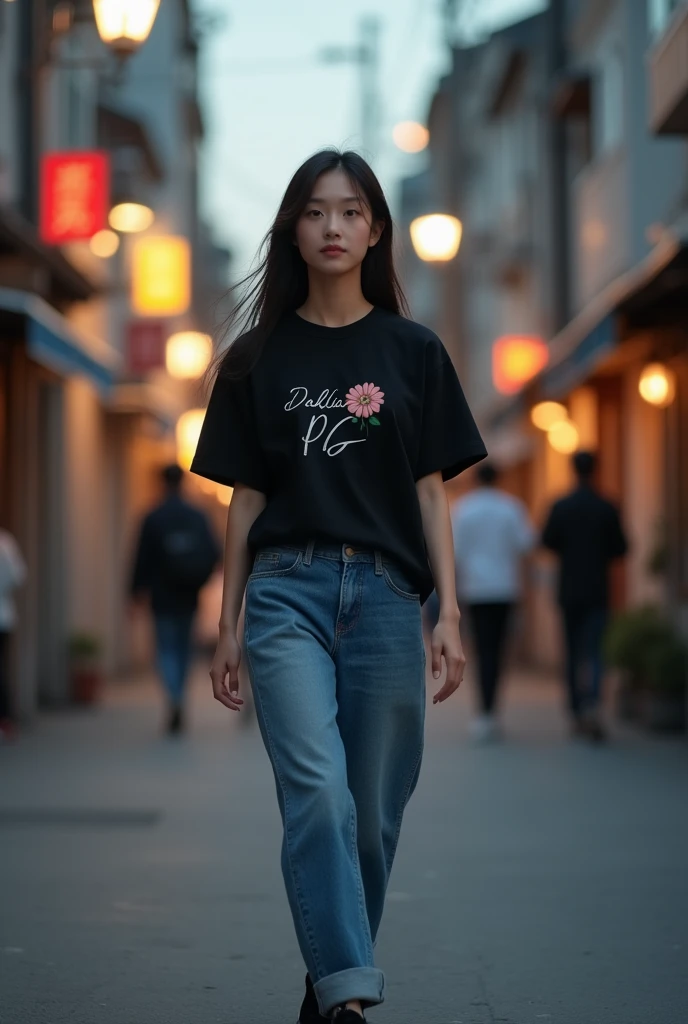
(334, 301)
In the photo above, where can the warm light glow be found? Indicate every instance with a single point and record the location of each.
(188, 354)
(104, 243)
(188, 432)
(410, 136)
(563, 437)
(131, 217)
(436, 237)
(516, 359)
(657, 385)
(223, 494)
(161, 276)
(544, 415)
(125, 24)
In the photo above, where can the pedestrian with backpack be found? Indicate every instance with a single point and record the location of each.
(175, 557)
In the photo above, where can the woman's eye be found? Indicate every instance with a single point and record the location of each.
(313, 213)
(354, 212)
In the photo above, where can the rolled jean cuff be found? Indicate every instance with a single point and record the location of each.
(366, 984)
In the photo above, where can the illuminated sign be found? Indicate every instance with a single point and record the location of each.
(161, 276)
(75, 196)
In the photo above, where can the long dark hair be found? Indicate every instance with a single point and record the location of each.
(279, 284)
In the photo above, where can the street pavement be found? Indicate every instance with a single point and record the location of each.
(538, 881)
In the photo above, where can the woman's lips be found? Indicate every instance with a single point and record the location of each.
(332, 250)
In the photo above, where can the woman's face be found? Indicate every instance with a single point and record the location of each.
(335, 230)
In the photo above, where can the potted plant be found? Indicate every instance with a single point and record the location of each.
(664, 704)
(85, 667)
(629, 636)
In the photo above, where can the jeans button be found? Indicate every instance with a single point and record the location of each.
(348, 552)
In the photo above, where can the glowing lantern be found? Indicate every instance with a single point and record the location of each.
(515, 360)
(104, 243)
(130, 218)
(188, 432)
(188, 354)
(436, 237)
(161, 276)
(657, 385)
(410, 136)
(545, 414)
(563, 437)
(125, 24)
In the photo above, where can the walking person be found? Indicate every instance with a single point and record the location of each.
(584, 530)
(175, 557)
(492, 534)
(12, 575)
(336, 420)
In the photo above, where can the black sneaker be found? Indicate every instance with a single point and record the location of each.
(310, 1011)
(175, 721)
(345, 1016)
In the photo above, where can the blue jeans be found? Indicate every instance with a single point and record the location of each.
(337, 665)
(173, 651)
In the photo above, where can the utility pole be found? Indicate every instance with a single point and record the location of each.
(366, 56)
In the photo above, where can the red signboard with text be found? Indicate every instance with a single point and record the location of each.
(145, 346)
(75, 195)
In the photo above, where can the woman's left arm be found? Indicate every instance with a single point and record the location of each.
(446, 640)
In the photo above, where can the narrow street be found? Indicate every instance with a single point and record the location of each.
(537, 880)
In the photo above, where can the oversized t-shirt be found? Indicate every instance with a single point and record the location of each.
(335, 425)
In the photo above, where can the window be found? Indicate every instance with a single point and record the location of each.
(660, 13)
(610, 99)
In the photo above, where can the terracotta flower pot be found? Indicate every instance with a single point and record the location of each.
(86, 683)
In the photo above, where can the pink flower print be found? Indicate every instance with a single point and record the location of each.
(364, 401)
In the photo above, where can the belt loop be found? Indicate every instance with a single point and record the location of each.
(378, 563)
(309, 552)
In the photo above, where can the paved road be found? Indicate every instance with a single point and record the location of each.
(536, 881)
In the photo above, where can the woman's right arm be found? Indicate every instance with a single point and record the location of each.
(245, 507)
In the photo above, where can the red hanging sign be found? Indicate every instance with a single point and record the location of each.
(75, 195)
(145, 346)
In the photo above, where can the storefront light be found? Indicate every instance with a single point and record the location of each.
(104, 243)
(410, 136)
(130, 218)
(657, 385)
(437, 237)
(188, 432)
(188, 354)
(125, 24)
(516, 359)
(161, 275)
(545, 415)
(563, 437)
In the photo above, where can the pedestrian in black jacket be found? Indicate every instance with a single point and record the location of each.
(585, 531)
(175, 557)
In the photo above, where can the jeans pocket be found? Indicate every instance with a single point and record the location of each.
(275, 563)
(398, 581)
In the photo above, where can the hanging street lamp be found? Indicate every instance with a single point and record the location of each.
(124, 25)
(188, 354)
(657, 385)
(436, 237)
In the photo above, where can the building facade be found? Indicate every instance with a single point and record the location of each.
(82, 429)
(569, 163)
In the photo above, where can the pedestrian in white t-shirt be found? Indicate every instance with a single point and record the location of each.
(492, 533)
(12, 575)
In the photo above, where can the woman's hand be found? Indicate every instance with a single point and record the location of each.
(446, 641)
(224, 671)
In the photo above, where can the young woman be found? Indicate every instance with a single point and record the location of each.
(336, 421)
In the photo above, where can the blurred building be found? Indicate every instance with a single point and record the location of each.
(563, 143)
(84, 421)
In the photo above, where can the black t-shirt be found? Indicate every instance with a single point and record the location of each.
(335, 425)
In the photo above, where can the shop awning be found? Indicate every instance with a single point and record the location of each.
(598, 330)
(55, 343)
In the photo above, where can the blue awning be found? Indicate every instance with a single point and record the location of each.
(55, 343)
